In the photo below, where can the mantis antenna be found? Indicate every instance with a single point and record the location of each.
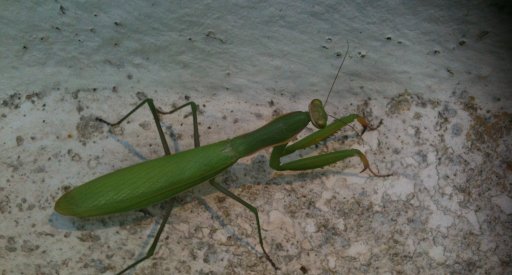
(338, 73)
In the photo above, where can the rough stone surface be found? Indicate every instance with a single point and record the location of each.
(436, 72)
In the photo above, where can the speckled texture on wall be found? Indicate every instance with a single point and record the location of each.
(437, 73)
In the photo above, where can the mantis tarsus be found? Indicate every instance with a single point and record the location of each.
(153, 181)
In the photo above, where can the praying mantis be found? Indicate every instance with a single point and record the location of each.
(150, 182)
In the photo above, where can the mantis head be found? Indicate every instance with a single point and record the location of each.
(317, 114)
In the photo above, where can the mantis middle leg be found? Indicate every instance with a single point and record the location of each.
(251, 208)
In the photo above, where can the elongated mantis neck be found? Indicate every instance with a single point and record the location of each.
(279, 130)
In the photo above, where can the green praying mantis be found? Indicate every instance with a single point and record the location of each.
(147, 183)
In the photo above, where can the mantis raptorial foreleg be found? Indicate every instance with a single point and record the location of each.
(321, 160)
(155, 112)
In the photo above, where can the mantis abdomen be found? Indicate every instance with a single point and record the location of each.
(153, 181)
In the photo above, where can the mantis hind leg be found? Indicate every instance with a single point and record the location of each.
(155, 112)
(251, 208)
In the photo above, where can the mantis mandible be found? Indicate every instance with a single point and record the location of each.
(147, 183)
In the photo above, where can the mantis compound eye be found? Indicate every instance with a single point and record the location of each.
(317, 114)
